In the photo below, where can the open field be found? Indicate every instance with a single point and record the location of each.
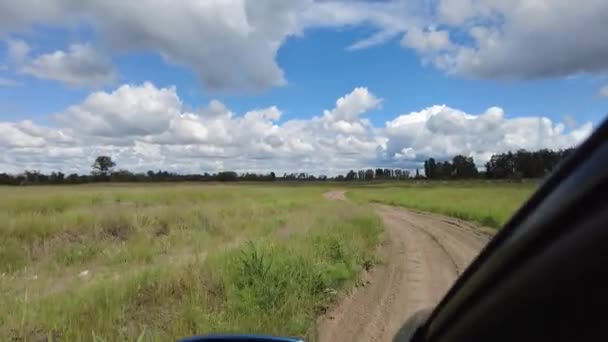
(165, 261)
(114, 262)
(488, 203)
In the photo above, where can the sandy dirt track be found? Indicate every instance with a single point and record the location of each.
(421, 257)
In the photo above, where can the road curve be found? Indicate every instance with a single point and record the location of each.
(421, 257)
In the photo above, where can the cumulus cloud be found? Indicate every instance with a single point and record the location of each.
(146, 127)
(80, 66)
(228, 44)
(525, 40)
(12, 136)
(127, 111)
(232, 45)
(442, 132)
(350, 106)
(604, 91)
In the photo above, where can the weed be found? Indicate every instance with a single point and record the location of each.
(75, 255)
(116, 226)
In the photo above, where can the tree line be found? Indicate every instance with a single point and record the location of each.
(509, 165)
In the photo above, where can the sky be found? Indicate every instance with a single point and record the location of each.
(295, 85)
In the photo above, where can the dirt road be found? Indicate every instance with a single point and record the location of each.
(422, 256)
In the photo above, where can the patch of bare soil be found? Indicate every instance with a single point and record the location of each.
(335, 195)
(422, 256)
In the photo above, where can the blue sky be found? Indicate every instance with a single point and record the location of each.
(61, 80)
(319, 69)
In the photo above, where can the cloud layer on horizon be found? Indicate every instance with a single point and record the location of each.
(144, 127)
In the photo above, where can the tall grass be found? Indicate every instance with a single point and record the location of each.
(160, 262)
(489, 204)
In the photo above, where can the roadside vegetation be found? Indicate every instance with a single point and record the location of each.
(118, 262)
(490, 204)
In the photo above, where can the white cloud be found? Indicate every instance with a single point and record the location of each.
(375, 39)
(526, 39)
(229, 44)
(210, 37)
(604, 91)
(127, 111)
(406, 153)
(145, 127)
(490, 39)
(12, 136)
(80, 66)
(426, 42)
(350, 106)
(442, 132)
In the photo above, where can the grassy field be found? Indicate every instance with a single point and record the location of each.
(490, 204)
(116, 262)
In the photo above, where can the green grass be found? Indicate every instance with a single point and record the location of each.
(166, 261)
(488, 203)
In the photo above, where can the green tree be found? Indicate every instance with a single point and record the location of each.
(463, 167)
(379, 173)
(351, 175)
(430, 168)
(102, 166)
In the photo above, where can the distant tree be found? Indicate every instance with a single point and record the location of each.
(417, 174)
(73, 178)
(5, 178)
(34, 177)
(273, 176)
(369, 174)
(387, 173)
(227, 176)
(102, 166)
(430, 168)
(463, 167)
(379, 173)
(501, 166)
(56, 177)
(122, 176)
(524, 164)
(351, 175)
